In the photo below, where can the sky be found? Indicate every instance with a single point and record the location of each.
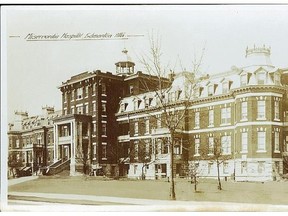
(36, 68)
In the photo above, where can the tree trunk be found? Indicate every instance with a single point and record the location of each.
(172, 183)
(142, 174)
(195, 184)
(218, 173)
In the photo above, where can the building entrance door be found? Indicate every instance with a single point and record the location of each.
(65, 153)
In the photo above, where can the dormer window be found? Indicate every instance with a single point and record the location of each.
(123, 107)
(261, 78)
(225, 87)
(136, 104)
(210, 90)
(243, 80)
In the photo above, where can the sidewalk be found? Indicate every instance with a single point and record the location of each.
(145, 204)
(21, 180)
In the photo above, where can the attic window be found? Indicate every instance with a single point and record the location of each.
(123, 107)
(261, 78)
(210, 90)
(243, 80)
(225, 86)
(136, 104)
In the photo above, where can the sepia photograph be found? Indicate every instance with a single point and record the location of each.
(141, 108)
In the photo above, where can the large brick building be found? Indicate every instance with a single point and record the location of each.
(243, 110)
(31, 142)
(115, 122)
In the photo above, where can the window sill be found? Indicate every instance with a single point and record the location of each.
(244, 152)
(104, 136)
(196, 155)
(210, 154)
(225, 124)
(104, 158)
(197, 127)
(244, 119)
(103, 95)
(277, 120)
(261, 119)
(276, 151)
(210, 126)
(261, 151)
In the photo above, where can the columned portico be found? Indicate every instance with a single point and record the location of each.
(68, 132)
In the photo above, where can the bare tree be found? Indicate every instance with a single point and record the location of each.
(218, 153)
(172, 102)
(13, 164)
(194, 173)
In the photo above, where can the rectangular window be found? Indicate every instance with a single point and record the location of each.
(94, 107)
(80, 110)
(226, 144)
(177, 147)
(103, 107)
(197, 147)
(87, 109)
(94, 127)
(147, 126)
(244, 114)
(135, 169)
(244, 141)
(79, 93)
(65, 97)
(225, 168)
(104, 129)
(94, 89)
(211, 117)
(136, 149)
(261, 140)
(103, 88)
(104, 152)
(86, 91)
(211, 146)
(147, 147)
(17, 143)
(243, 80)
(94, 150)
(136, 127)
(276, 141)
(261, 109)
(210, 165)
(276, 110)
(72, 95)
(197, 119)
(226, 115)
(72, 110)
